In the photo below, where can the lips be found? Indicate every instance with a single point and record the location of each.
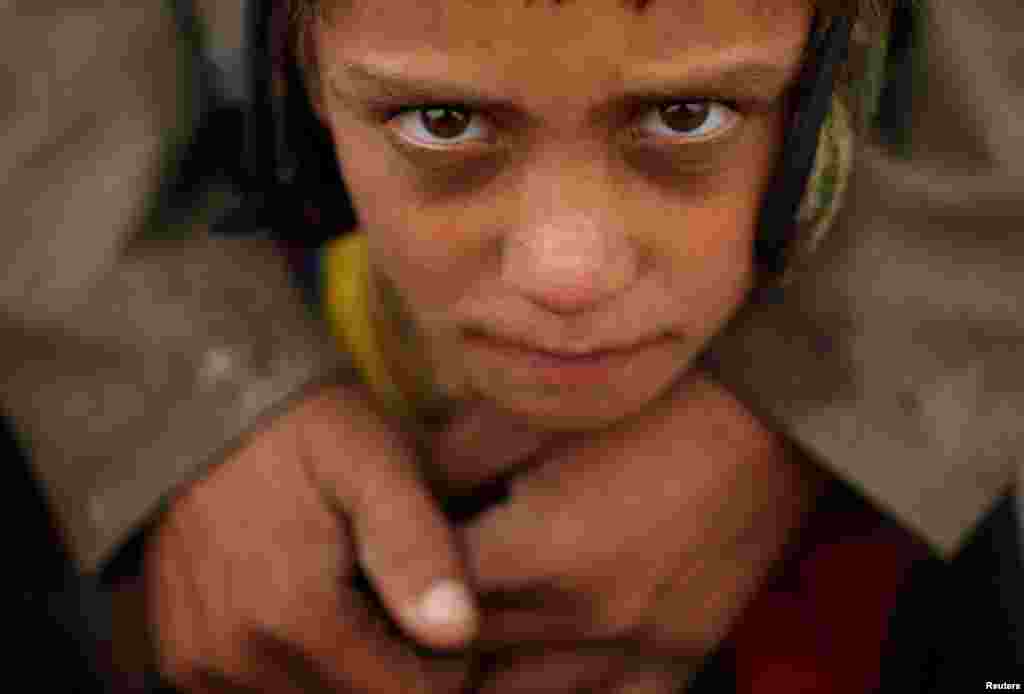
(591, 353)
(566, 356)
(594, 368)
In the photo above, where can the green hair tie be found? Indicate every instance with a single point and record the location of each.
(826, 187)
(833, 163)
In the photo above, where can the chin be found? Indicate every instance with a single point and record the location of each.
(577, 411)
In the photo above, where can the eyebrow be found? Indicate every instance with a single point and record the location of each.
(735, 78)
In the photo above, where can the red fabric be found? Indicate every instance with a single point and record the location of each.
(822, 627)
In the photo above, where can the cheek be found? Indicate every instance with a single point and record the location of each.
(421, 260)
(431, 277)
(715, 269)
(418, 252)
(711, 246)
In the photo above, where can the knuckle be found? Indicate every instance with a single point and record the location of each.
(256, 631)
(173, 656)
(616, 617)
(402, 558)
(193, 667)
(182, 672)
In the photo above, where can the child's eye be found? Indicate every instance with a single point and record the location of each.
(688, 120)
(440, 126)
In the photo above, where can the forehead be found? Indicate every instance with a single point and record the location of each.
(513, 38)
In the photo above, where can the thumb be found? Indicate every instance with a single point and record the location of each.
(402, 540)
(482, 442)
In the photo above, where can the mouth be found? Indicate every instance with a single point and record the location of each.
(565, 367)
(608, 349)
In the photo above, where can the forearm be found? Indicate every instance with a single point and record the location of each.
(130, 363)
(899, 347)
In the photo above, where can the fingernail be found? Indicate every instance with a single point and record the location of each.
(446, 602)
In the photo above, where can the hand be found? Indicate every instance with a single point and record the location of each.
(249, 575)
(622, 557)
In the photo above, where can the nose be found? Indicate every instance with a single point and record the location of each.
(570, 261)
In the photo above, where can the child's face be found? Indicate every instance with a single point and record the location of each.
(570, 177)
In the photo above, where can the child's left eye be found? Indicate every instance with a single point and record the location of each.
(435, 126)
(688, 120)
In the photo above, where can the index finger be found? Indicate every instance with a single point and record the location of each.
(402, 539)
(337, 644)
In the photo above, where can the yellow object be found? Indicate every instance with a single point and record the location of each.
(363, 334)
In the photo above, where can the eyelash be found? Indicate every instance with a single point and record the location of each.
(725, 111)
(414, 113)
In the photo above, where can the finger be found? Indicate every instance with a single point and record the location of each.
(194, 656)
(509, 546)
(502, 627)
(552, 610)
(554, 673)
(534, 557)
(307, 668)
(175, 627)
(525, 556)
(654, 680)
(329, 641)
(402, 539)
(593, 497)
(609, 519)
(482, 442)
(279, 576)
(217, 683)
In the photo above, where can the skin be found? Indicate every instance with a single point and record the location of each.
(571, 227)
(600, 576)
(248, 576)
(562, 210)
(564, 215)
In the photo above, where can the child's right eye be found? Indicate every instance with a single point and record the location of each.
(441, 126)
